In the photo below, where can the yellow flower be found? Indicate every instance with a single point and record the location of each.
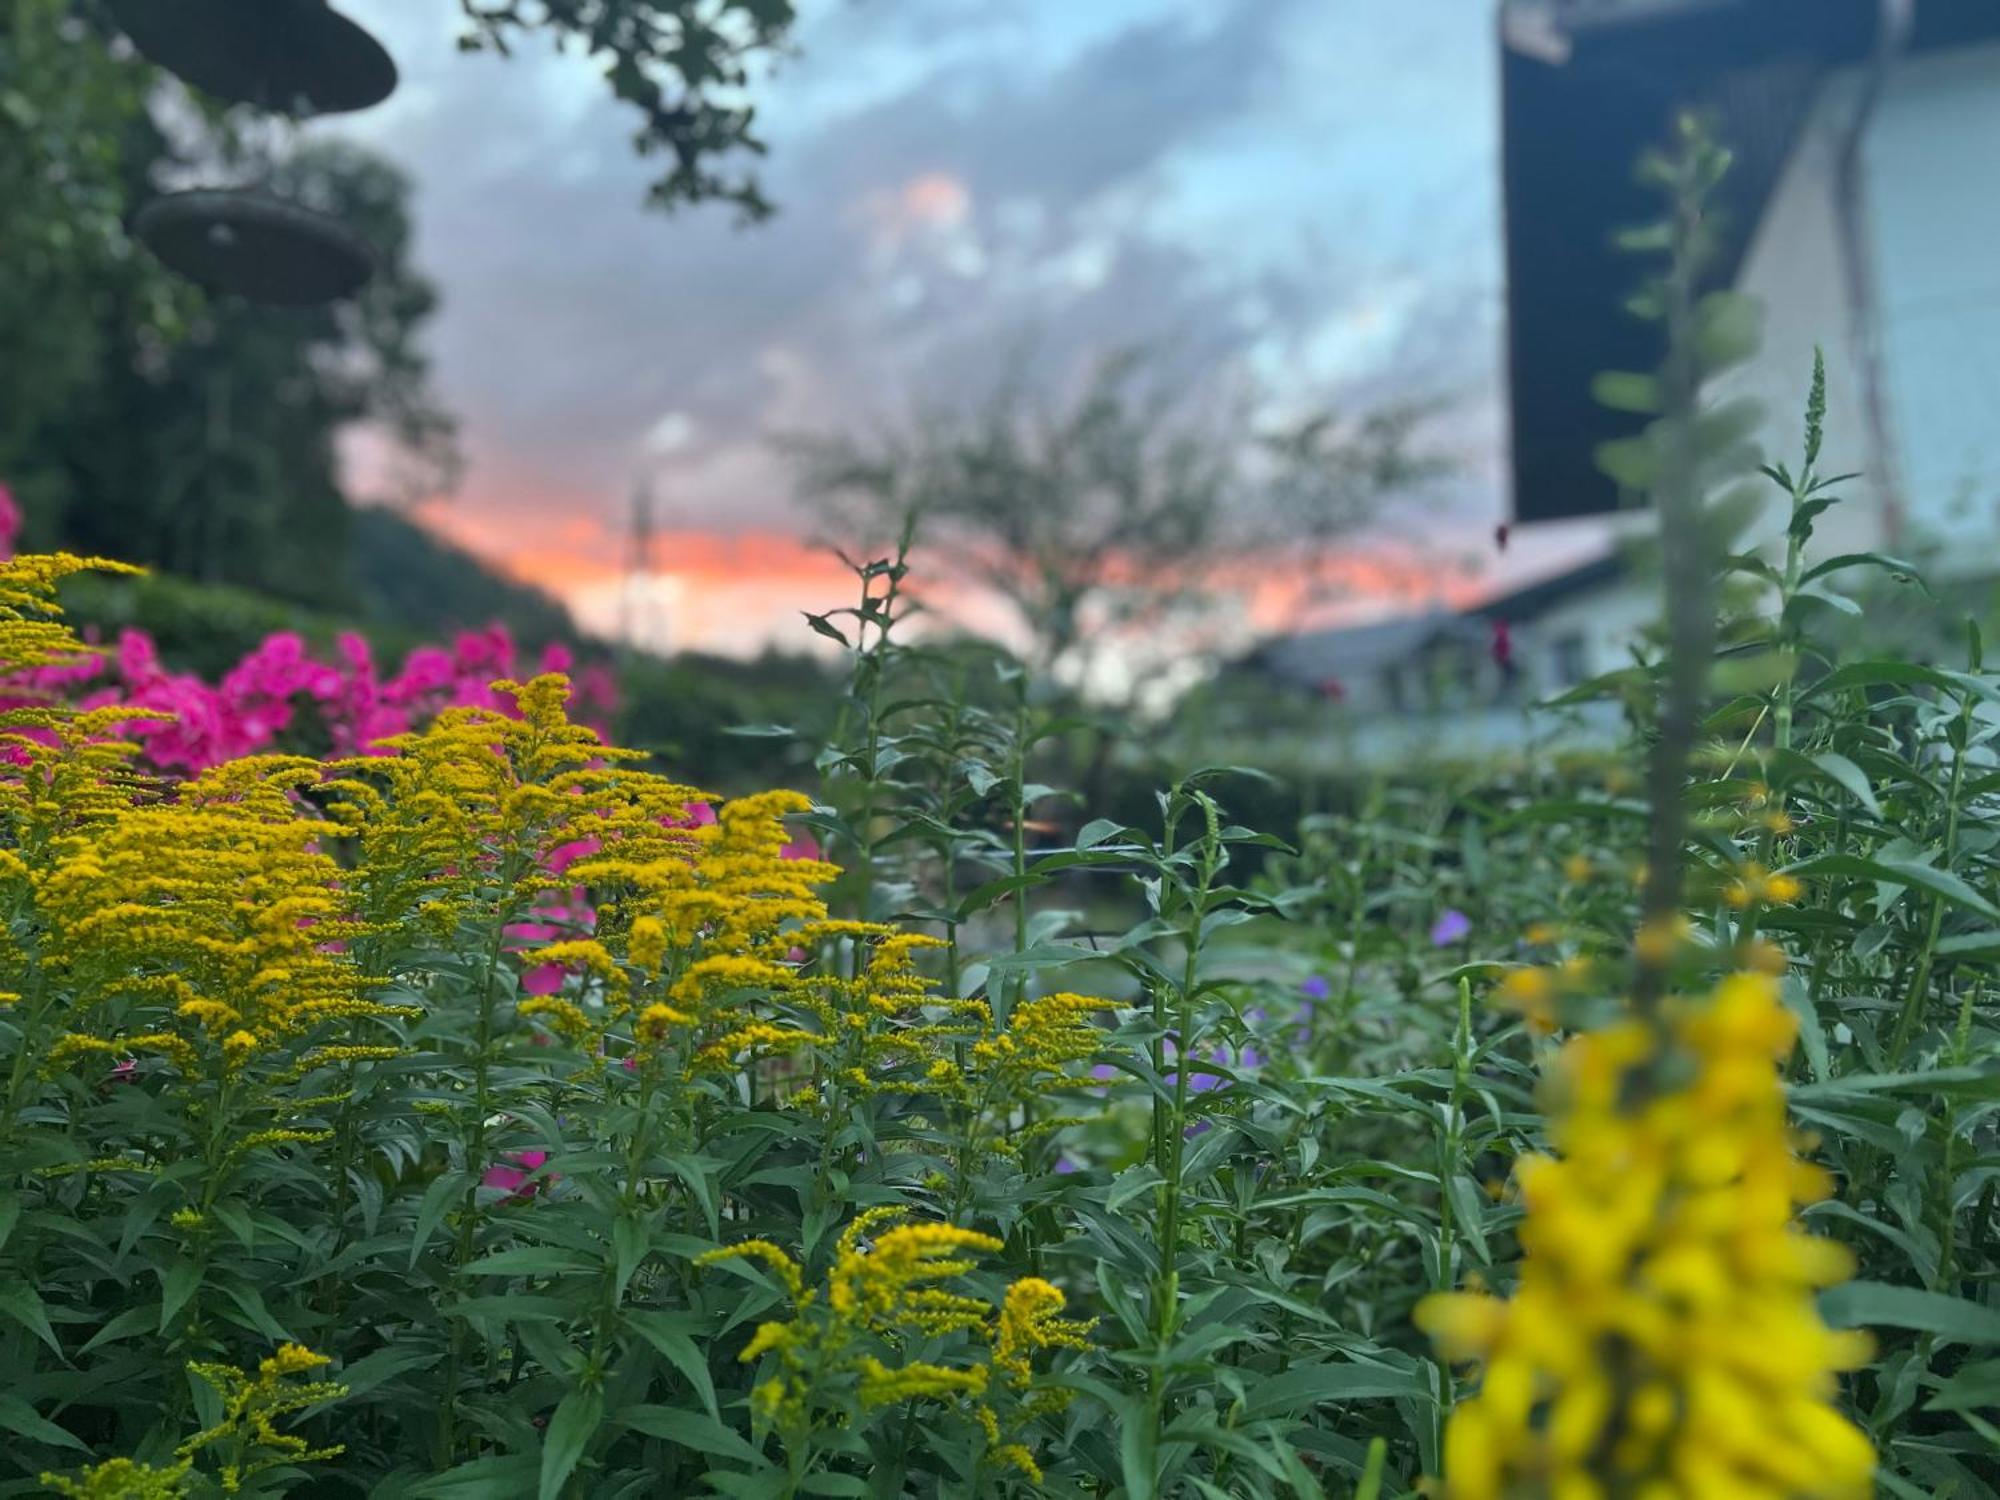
(886, 1291)
(123, 1479)
(1028, 1322)
(251, 1404)
(1531, 993)
(1756, 886)
(1663, 1340)
(882, 1386)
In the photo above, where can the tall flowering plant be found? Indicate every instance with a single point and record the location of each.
(299, 1074)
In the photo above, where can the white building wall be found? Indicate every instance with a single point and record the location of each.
(1929, 195)
(1796, 267)
(1607, 621)
(1932, 159)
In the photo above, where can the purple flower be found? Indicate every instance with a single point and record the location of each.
(1064, 1165)
(1451, 925)
(1316, 988)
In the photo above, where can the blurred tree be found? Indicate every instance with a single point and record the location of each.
(1129, 518)
(71, 119)
(142, 419)
(215, 454)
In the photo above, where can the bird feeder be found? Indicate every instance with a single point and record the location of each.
(296, 58)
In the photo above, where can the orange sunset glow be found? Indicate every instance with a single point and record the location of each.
(737, 593)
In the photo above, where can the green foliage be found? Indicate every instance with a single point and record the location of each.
(215, 456)
(70, 119)
(683, 65)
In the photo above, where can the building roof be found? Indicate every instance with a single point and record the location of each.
(1586, 87)
(1351, 653)
(1355, 652)
(1530, 599)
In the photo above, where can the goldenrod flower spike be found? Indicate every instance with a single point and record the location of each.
(1663, 1341)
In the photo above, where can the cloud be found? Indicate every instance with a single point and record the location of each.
(961, 185)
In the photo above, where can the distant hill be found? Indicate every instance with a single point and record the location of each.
(408, 578)
(401, 587)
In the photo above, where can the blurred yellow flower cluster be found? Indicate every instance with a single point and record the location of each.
(1663, 1342)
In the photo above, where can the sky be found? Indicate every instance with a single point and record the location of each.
(1298, 197)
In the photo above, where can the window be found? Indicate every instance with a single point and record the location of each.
(1392, 689)
(1569, 659)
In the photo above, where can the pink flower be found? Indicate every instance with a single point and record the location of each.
(564, 855)
(513, 1171)
(803, 846)
(543, 979)
(10, 522)
(697, 815)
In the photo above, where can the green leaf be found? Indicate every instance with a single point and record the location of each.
(17, 1416)
(1847, 560)
(176, 1287)
(576, 1421)
(1628, 461)
(1622, 390)
(1904, 872)
(1876, 1304)
(1969, 1082)
(630, 1243)
(823, 626)
(1138, 1460)
(1041, 956)
(1851, 776)
(1969, 1389)
(23, 1304)
(1304, 1387)
(10, 1213)
(480, 1479)
(529, 1261)
(1370, 1487)
(1864, 674)
(437, 1201)
(384, 1365)
(1096, 831)
(1728, 329)
(657, 1329)
(690, 1429)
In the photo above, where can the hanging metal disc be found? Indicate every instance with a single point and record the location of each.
(294, 57)
(256, 246)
